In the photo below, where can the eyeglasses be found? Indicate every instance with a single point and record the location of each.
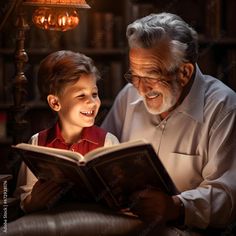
(135, 79)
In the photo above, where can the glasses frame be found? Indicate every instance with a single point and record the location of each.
(130, 78)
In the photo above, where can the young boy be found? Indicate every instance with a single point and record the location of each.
(67, 81)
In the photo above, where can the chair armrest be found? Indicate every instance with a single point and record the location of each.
(75, 219)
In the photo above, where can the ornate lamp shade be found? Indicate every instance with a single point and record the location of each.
(60, 15)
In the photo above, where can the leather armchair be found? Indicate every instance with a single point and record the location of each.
(75, 219)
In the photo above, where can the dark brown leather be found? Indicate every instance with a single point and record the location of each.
(75, 219)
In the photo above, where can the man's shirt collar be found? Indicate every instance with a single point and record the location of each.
(193, 103)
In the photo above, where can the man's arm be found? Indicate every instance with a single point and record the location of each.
(212, 203)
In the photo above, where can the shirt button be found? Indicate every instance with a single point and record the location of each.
(163, 126)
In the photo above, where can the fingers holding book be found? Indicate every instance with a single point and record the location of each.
(44, 194)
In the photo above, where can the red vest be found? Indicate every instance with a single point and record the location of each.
(91, 138)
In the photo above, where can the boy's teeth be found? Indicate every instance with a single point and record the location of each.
(87, 112)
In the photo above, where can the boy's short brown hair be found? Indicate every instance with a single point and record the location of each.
(63, 67)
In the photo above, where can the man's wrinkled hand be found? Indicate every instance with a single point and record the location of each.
(152, 205)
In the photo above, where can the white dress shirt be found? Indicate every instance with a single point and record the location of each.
(196, 143)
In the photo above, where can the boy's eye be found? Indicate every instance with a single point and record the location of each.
(81, 96)
(95, 95)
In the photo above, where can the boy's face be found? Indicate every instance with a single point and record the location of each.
(79, 103)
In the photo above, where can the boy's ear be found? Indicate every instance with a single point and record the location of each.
(186, 72)
(53, 102)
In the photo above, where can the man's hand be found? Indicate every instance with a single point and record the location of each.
(152, 205)
(43, 194)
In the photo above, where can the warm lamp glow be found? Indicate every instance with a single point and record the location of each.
(55, 19)
(60, 15)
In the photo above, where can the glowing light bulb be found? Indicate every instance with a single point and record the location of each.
(60, 19)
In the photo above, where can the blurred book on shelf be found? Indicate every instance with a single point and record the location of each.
(36, 38)
(139, 10)
(104, 83)
(107, 30)
(78, 37)
(230, 17)
(213, 21)
(97, 30)
(111, 81)
(119, 32)
(231, 69)
(33, 91)
(9, 77)
(116, 77)
(207, 62)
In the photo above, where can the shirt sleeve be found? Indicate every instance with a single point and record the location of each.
(26, 179)
(110, 140)
(213, 202)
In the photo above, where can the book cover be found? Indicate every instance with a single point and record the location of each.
(109, 175)
(229, 17)
(230, 69)
(108, 19)
(97, 33)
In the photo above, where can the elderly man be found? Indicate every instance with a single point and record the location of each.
(189, 118)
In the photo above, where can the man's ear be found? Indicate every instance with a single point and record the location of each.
(53, 102)
(186, 72)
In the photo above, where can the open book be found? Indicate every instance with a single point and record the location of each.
(108, 174)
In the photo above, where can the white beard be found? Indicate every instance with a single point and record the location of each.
(169, 99)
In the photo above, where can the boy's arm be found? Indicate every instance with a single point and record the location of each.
(25, 183)
(26, 179)
(34, 194)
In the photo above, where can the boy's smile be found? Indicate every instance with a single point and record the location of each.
(88, 113)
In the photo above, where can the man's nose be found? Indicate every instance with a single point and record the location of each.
(143, 87)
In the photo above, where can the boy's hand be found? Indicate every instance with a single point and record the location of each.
(43, 194)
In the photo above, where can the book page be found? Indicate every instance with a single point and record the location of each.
(60, 153)
(79, 158)
(105, 150)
